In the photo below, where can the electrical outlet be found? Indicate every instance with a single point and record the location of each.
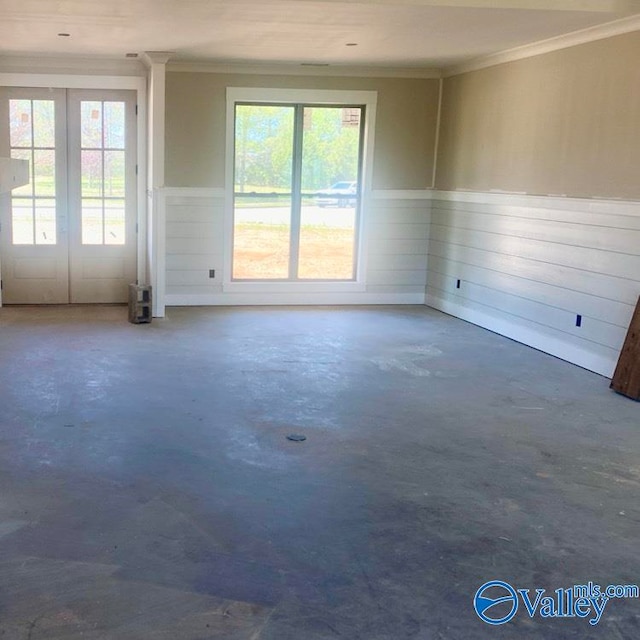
(212, 273)
(458, 284)
(578, 320)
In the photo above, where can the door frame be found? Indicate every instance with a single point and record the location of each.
(132, 83)
(315, 97)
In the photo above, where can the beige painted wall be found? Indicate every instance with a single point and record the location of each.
(195, 125)
(566, 122)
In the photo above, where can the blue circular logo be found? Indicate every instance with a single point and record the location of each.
(488, 599)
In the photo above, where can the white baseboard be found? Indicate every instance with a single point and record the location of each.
(526, 335)
(293, 299)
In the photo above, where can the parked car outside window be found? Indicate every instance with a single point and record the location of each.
(340, 194)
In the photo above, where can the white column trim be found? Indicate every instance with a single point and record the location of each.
(157, 61)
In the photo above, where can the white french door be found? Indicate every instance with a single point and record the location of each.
(102, 195)
(70, 234)
(34, 249)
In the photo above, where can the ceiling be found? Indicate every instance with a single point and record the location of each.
(383, 33)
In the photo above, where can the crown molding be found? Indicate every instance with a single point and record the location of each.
(303, 70)
(584, 36)
(83, 65)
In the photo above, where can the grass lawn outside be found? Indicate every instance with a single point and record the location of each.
(261, 251)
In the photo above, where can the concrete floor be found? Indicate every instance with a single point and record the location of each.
(148, 490)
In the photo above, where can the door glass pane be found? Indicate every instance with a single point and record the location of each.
(92, 230)
(262, 191)
(44, 172)
(26, 190)
(22, 222)
(20, 123)
(44, 126)
(114, 221)
(114, 124)
(45, 219)
(114, 174)
(91, 174)
(32, 138)
(330, 172)
(91, 123)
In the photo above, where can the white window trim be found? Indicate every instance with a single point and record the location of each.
(132, 83)
(297, 96)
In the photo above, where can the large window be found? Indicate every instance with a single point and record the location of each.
(298, 170)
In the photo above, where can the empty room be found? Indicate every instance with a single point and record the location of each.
(319, 319)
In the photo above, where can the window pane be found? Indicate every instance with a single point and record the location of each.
(330, 168)
(26, 189)
(262, 203)
(327, 246)
(44, 163)
(114, 125)
(91, 174)
(114, 174)
(92, 221)
(91, 123)
(44, 128)
(20, 123)
(22, 220)
(45, 215)
(114, 222)
(261, 237)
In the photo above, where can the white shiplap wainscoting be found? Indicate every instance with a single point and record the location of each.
(396, 245)
(195, 244)
(529, 265)
(396, 228)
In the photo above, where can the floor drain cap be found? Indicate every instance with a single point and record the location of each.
(296, 437)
